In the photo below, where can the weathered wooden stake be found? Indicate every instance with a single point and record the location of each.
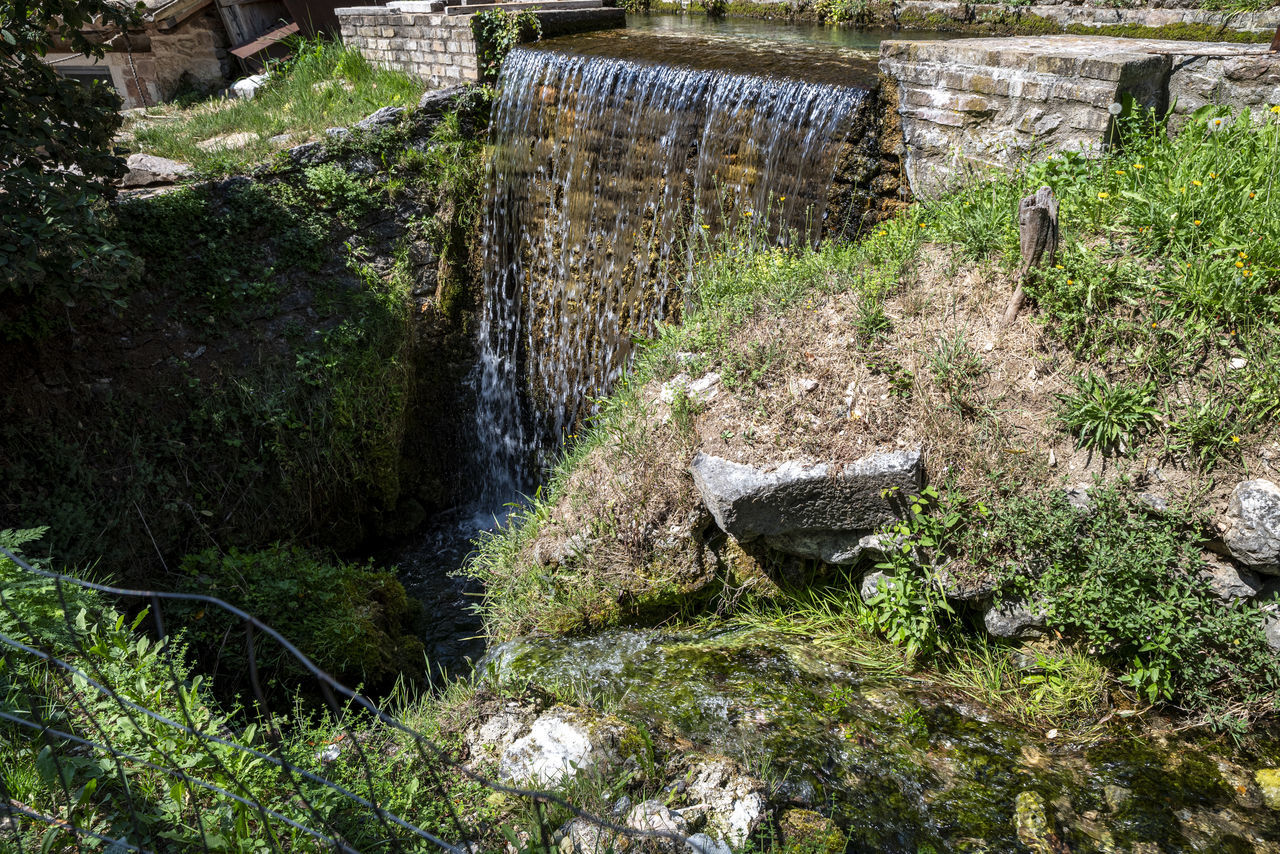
(1038, 236)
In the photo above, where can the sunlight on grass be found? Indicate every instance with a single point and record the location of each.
(323, 85)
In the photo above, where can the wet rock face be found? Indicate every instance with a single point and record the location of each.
(855, 765)
(817, 511)
(563, 742)
(1253, 525)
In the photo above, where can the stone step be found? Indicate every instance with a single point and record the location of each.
(548, 5)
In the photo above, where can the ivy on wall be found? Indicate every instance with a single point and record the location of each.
(497, 31)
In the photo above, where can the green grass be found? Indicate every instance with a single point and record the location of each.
(1170, 271)
(126, 798)
(736, 280)
(324, 85)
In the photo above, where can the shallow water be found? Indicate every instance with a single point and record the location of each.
(811, 52)
(901, 766)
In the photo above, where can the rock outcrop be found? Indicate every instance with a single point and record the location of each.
(563, 742)
(817, 511)
(1253, 526)
(1014, 619)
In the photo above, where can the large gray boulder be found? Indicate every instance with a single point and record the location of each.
(147, 170)
(817, 511)
(439, 100)
(1253, 525)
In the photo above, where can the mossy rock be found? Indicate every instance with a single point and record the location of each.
(807, 832)
(1269, 782)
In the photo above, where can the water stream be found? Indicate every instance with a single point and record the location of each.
(608, 174)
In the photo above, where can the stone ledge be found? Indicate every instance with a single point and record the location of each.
(991, 102)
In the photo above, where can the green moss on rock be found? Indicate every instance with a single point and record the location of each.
(807, 832)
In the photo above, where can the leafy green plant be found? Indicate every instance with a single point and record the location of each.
(909, 605)
(352, 619)
(981, 217)
(855, 12)
(497, 33)
(1207, 432)
(1127, 584)
(870, 321)
(1103, 415)
(59, 167)
(714, 8)
(901, 381)
(639, 7)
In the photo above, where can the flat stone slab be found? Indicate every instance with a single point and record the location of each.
(821, 511)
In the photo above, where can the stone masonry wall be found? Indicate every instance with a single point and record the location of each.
(969, 105)
(431, 46)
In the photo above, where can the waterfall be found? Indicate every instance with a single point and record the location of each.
(606, 175)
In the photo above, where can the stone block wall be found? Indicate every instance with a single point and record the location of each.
(431, 46)
(974, 104)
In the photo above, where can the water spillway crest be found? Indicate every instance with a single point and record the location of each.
(607, 173)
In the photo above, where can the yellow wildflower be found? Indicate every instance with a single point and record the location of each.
(1276, 108)
(1213, 174)
(1119, 171)
(1196, 222)
(1138, 166)
(1239, 263)
(1197, 183)
(1235, 439)
(1104, 195)
(1244, 255)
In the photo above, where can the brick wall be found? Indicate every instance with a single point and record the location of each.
(431, 46)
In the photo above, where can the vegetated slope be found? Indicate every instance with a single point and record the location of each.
(253, 380)
(323, 85)
(1146, 364)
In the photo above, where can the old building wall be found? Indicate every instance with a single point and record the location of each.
(197, 47)
(431, 46)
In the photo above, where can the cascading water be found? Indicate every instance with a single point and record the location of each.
(607, 174)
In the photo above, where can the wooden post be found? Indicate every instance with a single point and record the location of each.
(1038, 237)
(1275, 41)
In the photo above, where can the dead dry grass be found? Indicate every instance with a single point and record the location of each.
(626, 538)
